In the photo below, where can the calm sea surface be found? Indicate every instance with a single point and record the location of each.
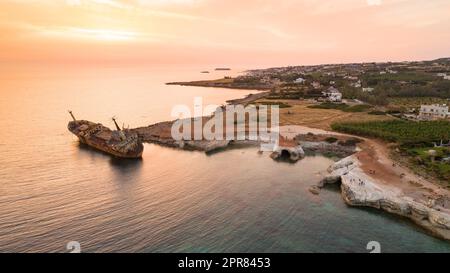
(53, 191)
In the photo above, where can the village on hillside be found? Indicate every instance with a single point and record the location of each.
(424, 86)
(418, 90)
(406, 103)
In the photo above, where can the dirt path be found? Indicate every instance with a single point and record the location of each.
(301, 114)
(374, 156)
(249, 99)
(376, 162)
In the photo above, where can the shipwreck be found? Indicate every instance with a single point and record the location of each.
(121, 143)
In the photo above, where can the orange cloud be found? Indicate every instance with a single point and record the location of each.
(261, 32)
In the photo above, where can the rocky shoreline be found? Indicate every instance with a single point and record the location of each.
(249, 99)
(361, 190)
(160, 134)
(296, 147)
(358, 188)
(230, 84)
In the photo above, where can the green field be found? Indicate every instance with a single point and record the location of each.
(417, 77)
(408, 103)
(415, 141)
(432, 163)
(343, 107)
(402, 132)
(276, 103)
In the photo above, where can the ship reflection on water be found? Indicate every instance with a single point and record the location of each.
(121, 164)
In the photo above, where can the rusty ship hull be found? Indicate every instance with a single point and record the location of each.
(121, 144)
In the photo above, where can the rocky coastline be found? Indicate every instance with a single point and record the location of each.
(358, 188)
(225, 83)
(361, 190)
(296, 147)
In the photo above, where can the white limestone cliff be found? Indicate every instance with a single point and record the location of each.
(359, 189)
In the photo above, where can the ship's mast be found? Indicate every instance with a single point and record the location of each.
(73, 117)
(117, 125)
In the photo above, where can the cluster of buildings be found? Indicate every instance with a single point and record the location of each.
(434, 112)
(323, 81)
(390, 71)
(332, 94)
(444, 76)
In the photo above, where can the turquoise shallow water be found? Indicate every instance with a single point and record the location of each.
(54, 191)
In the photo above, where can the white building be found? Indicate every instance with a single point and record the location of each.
(444, 76)
(333, 95)
(368, 89)
(299, 80)
(316, 85)
(353, 78)
(357, 84)
(433, 112)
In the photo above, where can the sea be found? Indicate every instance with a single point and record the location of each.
(54, 191)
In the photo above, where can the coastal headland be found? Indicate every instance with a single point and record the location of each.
(226, 82)
(367, 174)
(367, 182)
(369, 171)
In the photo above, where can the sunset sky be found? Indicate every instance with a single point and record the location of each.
(223, 32)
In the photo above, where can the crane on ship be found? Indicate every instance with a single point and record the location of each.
(71, 114)
(121, 132)
(115, 123)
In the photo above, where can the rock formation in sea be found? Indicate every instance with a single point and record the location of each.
(292, 153)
